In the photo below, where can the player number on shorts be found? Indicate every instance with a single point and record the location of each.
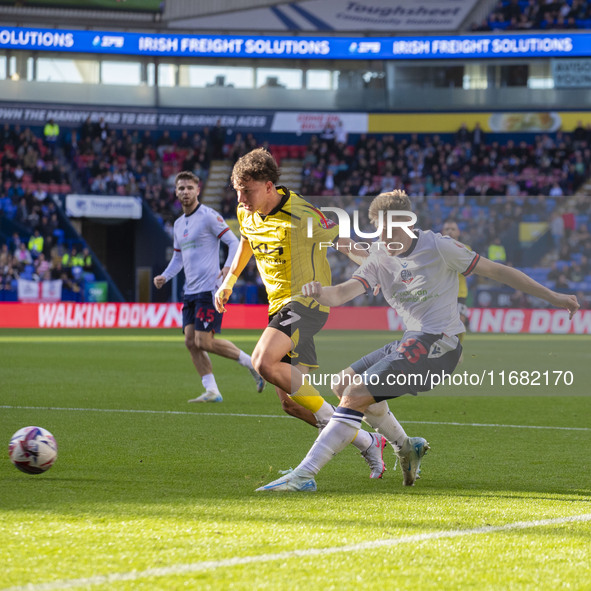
(293, 317)
(412, 350)
(206, 315)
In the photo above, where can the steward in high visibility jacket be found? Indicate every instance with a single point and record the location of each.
(36, 243)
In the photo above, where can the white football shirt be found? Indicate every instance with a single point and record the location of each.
(196, 249)
(421, 284)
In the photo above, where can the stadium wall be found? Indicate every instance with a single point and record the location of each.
(111, 315)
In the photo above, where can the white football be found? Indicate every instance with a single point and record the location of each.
(32, 450)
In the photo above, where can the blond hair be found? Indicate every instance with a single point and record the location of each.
(396, 200)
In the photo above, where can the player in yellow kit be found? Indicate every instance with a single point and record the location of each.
(450, 228)
(275, 229)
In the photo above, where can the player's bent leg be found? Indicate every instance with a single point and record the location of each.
(267, 359)
(340, 431)
(200, 358)
(202, 364)
(271, 348)
(342, 380)
(294, 409)
(224, 348)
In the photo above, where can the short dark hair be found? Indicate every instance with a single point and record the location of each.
(186, 175)
(257, 165)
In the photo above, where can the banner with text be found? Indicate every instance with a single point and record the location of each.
(103, 206)
(130, 118)
(314, 122)
(341, 15)
(571, 73)
(110, 315)
(486, 45)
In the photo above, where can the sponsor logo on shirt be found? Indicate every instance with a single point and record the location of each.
(406, 276)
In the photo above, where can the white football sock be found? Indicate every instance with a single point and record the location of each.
(209, 383)
(324, 414)
(244, 360)
(380, 417)
(339, 432)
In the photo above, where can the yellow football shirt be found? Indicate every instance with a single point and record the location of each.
(463, 284)
(285, 255)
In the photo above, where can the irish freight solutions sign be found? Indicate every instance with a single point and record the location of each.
(318, 46)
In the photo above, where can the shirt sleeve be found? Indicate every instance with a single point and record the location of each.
(457, 256)
(218, 224)
(231, 241)
(367, 273)
(317, 226)
(175, 264)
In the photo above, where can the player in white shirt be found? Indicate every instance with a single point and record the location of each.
(197, 236)
(419, 279)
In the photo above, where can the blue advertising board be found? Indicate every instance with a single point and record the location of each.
(495, 45)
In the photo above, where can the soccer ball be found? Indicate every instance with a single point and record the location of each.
(32, 450)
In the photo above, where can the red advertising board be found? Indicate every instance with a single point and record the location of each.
(109, 315)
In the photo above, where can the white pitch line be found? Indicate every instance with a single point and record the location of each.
(235, 414)
(181, 569)
(151, 412)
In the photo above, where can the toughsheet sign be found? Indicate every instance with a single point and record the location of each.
(309, 47)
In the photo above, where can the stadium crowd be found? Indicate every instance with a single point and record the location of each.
(524, 15)
(486, 186)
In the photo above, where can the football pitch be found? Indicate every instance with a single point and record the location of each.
(152, 493)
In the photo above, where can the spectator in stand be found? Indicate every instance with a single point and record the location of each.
(562, 283)
(86, 131)
(462, 135)
(72, 258)
(23, 256)
(184, 141)
(328, 134)
(5, 256)
(164, 143)
(51, 133)
(575, 273)
(519, 300)
(554, 273)
(496, 251)
(42, 266)
(218, 140)
(478, 138)
(556, 190)
(86, 259)
(341, 133)
(35, 244)
(100, 130)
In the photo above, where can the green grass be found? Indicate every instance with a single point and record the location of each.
(165, 499)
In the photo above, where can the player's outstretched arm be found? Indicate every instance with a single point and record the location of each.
(518, 280)
(241, 257)
(334, 295)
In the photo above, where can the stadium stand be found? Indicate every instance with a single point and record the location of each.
(489, 188)
(527, 15)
